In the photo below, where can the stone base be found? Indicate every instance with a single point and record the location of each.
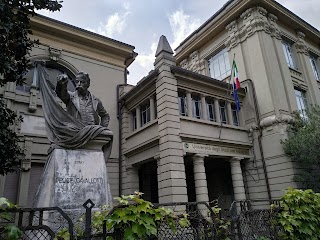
(73, 176)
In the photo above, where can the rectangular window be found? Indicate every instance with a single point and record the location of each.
(235, 115)
(302, 102)
(223, 111)
(196, 106)
(289, 54)
(315, 66)
(219, 65)
(182, 103)
(134, 120)
(210, 109)
(145, 113)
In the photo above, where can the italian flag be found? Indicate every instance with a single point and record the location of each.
(236, 76)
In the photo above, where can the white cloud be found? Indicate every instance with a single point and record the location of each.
(181, 26)
(142, 65)
(115, 23)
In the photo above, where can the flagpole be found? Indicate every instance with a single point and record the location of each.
(227, 96)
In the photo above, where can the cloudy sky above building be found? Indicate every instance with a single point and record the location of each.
(141, 22)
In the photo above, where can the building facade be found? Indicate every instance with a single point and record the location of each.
(179, 136)
(183, 139)
(66, 50)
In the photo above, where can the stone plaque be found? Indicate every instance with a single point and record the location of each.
(72, 177)
(33, 125)
(215, 150)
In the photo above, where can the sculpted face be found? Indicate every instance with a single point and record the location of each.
(82, 84)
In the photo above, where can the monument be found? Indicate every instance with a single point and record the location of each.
(80, 144)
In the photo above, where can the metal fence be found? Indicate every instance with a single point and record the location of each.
(249, 224)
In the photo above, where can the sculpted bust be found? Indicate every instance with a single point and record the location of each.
(82, 104)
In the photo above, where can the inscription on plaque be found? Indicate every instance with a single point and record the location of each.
(78, 177)
(215, 150)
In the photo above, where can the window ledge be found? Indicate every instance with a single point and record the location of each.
(147, 125)
(191, 119)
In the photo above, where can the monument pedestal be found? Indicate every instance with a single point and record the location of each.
(73, 176)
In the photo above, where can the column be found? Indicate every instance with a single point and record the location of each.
(229, 112)
(152, 109)
(132, 179)
(24, 180)
(138, 115)
(237, 181)
(204, 108)
(200, 178)
(189, 104)
(200, 182)
(217, 110)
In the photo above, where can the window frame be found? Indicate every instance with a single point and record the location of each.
(289, 54)
(145, 113)
(315, 65)
(134, 120)
(217, 57)
(196, 106)
(210, 105)
(235, 115)
(302, 102)
(182, 101)
(223, 105)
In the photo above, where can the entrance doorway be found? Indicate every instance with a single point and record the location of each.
(148, 181)
(219, 181)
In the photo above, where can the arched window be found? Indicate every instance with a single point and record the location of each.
(54, 70)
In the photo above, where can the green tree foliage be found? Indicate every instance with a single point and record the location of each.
(10, 151)
(15, 43)
(300, 215)
(303, 146)
(15, 46)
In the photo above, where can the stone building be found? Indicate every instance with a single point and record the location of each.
(182, 138)
(66, 49)
(179, 136)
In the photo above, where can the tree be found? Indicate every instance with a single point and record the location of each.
(303, 146)
(15, 46)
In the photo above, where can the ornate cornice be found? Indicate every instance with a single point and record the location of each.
(252, 20)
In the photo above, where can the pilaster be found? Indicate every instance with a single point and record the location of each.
(132, 179)
(152, 108)
(171, 169)
(204, 108)
(229, 114)
(306, 69)
(189, 104)
(217, 110)
(24, 180)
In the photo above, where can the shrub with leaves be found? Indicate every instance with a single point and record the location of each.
(221, 225)
(300, 215)
(138, 218)
(7, 229)
(303, 146)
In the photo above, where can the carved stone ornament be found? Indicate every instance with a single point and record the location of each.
(271, 120)
(184, 63)
(54, 53)
(25, 165)
(254, 19)
(193, 63)
(301, 44)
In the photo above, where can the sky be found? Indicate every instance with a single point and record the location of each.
(140, 23)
